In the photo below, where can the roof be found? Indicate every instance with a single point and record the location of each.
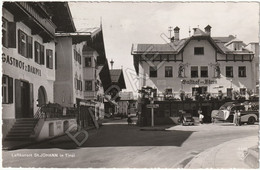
(115, 74)
(117, 77)
(61, 16)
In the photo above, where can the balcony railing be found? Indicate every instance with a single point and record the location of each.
(44, 23)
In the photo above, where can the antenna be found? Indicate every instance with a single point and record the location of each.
(170, 31)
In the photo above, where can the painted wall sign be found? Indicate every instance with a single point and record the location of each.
(20, 64)
(199, 81)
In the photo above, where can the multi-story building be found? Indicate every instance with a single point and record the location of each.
(80, 79)
(28, 58)
(198, 63)
(127, 105)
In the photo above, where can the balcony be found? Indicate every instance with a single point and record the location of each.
(90, 95)
(26, 12)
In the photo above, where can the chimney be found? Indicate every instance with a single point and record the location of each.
(111, 62)
(172, 39)
(194, 29)
(208, 29)
(176, 33)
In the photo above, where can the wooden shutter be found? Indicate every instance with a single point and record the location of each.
(11, 34)
(47, 58)
(18, 100)
(10, 90)
(29, 47)
(31, 100)
(35, 51)
(19, 41)
(42, 54)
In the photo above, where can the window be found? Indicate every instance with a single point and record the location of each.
(229, 92)
(22, 40)
(198, 50)
(5, 33)
(242, 71)
(229, 71)
(87, 62)
(168, 91)
(8, 34)
(75, 55)
(7, 89)
(243, 91)
(194, 71)
(79, 85)
(153, 71)
(203, 71)
(88, 85)
(168, 71)
(49, 59)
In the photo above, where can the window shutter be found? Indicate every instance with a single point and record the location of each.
(11, 34)
(10, 90)
(42, 54)
(18, 101)
(47, 58)
(29, 47)
(55, 60)
(35, 52)
(50, 59)
(31, 100)
(19, 41)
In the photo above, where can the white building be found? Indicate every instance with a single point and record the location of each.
(198, 63)
(28, 58)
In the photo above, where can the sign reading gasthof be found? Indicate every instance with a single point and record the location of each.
(199, 81)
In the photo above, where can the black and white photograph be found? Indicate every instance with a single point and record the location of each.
(135, 84)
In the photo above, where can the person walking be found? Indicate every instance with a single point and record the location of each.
(200, 116)
(235, 118)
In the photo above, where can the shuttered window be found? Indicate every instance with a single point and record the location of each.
(8, 34)
(49, 59)
(22, 41)
(7, 89)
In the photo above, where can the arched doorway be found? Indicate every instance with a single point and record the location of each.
(42, 96)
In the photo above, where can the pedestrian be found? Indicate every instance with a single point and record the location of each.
(200, 116)
(235, 118)
(239, 118)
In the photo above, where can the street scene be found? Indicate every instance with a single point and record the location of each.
(109, 85)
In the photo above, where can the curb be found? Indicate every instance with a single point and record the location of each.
(207, 158)
(37, 142)
(252, 157)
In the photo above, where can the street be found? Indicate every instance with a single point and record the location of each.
(119, 145)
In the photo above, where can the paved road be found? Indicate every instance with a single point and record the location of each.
(118, 145)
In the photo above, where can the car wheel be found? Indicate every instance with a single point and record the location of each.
(251, 120)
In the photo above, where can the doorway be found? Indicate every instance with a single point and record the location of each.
(23, 99)
(42, 97)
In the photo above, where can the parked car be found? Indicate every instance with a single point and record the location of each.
(249, 112)
(187, 119)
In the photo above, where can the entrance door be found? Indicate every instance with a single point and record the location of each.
(23, 99)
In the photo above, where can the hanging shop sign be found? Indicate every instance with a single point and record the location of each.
(199, 81)
(20, 64)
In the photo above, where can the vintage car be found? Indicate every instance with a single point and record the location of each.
(248, 111)
(187, 119)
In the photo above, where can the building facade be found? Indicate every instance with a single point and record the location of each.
(28, 58)
(199, 63)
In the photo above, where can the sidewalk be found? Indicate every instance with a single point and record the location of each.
(230, 154)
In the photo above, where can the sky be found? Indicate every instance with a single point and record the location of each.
(125, 24)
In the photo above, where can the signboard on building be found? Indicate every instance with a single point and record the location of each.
(199, 81)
